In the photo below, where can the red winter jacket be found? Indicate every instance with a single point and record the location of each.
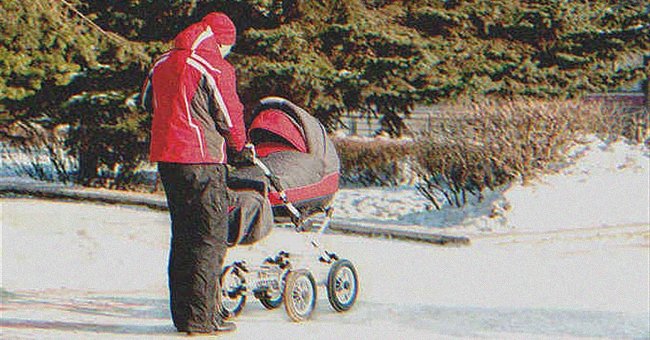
(192, 93)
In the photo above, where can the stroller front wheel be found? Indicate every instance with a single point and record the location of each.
(299, 295)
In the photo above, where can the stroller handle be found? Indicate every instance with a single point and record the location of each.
(275, 182)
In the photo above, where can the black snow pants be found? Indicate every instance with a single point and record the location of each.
(198, 205)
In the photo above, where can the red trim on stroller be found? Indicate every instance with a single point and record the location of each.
(266, 148)
(326, 186)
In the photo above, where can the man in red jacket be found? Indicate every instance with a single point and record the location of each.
(191, 91)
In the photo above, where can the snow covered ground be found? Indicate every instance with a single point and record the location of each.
(566, 256)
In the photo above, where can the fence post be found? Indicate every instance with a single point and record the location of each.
(646, 82)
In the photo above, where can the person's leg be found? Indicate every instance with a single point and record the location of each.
(179, 268)
(197, 198)
(211, 243)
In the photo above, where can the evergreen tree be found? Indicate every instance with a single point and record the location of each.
(55, 60)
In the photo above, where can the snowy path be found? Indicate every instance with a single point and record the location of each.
(79, 271)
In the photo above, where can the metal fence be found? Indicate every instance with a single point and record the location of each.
(428, 117)
(422, 117)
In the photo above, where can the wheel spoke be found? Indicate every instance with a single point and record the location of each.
(344, 285)
(302, 295)
(300, 301)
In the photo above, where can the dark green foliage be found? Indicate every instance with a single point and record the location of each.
(60, 69)
(142, 20)
(106, 134)
(381, 57)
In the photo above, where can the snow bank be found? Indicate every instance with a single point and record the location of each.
(604, 185)
(601, 185)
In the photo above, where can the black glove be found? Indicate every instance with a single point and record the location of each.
(248, 152)
(237, 159)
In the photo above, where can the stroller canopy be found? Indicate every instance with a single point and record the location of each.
(290, 124)
(280, 125)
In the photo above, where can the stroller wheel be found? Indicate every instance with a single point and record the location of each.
(299, 295)
(232, 292)
(342, 285)
(271, 301)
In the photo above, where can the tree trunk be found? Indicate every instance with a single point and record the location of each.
(87, 166)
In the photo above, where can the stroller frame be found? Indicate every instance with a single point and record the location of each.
(276, 281)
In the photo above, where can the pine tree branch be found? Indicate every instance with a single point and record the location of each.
(92, 24)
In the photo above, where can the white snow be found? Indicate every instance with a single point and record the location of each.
(566, 256)
(609, 185)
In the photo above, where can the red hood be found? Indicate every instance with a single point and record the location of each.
(223, 28)
(198, 36)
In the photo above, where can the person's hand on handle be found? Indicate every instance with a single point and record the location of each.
(249, 152)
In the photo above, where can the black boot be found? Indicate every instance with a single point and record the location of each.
(222, 327)
(225, 326)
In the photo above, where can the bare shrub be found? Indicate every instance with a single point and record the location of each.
(377, 161)
(486, 144)
(32, 150)
(39, 153)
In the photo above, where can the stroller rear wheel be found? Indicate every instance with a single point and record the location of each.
(299, 295)
(342, 285)
(233, 298)
(271, 301)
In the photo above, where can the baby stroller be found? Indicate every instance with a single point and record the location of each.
(294, 178)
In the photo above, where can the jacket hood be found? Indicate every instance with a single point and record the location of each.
(198, 36)
(224, 30)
